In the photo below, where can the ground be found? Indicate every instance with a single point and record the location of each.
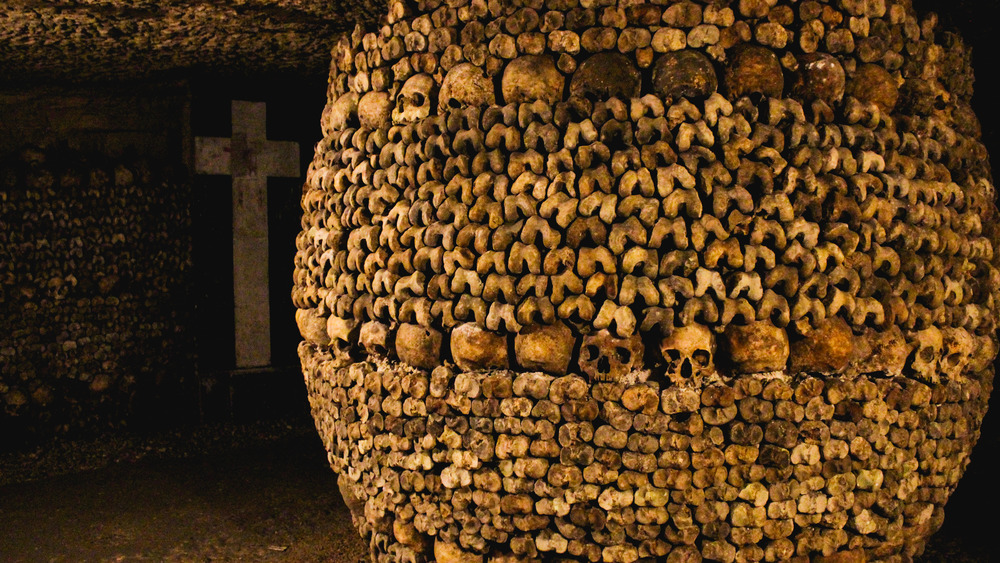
(270, 501)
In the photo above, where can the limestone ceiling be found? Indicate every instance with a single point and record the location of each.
(112, 39)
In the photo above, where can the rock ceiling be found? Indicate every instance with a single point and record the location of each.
(82, 40)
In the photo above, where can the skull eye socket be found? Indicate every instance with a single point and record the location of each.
(418, 99)
(624, 354)
(926, 353)
(673, 355)
(592, 353)
(701, 358)
(454, 104)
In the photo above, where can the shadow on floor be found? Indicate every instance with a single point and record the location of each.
(276, 502)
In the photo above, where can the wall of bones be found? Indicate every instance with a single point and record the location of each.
(620, 281)
(93, 285)
(88, 40)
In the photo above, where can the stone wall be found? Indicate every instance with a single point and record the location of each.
(109, 119)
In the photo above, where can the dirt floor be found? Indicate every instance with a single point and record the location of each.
(270, 502)
(266, 496)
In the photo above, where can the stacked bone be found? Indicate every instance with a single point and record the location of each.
(679, 198)
(123, 40)
(471, 467)
(90, 289)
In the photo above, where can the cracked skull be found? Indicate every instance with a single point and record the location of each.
(465, 85)
(606, 75)
(341, 333)
(414, 101)
(689, 352)
(606, 358)
(983, 352)
(928, 351)
(532, 77)
(958, 348)
(374, 109)
(340, 114)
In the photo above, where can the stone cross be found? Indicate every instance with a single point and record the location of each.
(249, 158)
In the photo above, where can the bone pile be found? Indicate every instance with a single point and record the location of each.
(598, 281)
(92, 285)
(102, 40)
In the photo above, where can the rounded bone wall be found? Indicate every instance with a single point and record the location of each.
(649, 201)
(447, 465)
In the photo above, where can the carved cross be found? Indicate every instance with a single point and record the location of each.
(249, 158)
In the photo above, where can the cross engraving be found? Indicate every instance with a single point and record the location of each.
(249, 158)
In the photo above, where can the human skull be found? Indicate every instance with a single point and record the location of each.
(338, 115)
(606, 75)
(689, 352)
(447, 552)
(819, 77)
(881, 352)
(929, 347)
(342, 333)
(532, 77)
(825, 348)
(755, 348)
(375, 338)
(983, 354)
(958, 347)
(407, 534)
(418, 346)
(873, 83)
(465, 85)
(375, 110)
(606, 358)
(753, 69)
(546, 348)
(312, 326)
(414, 101)
(474, 348)
(684, 74)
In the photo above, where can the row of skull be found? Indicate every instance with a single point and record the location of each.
(435, 41)
(687, 355)
(681, 74)
(528, 450)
